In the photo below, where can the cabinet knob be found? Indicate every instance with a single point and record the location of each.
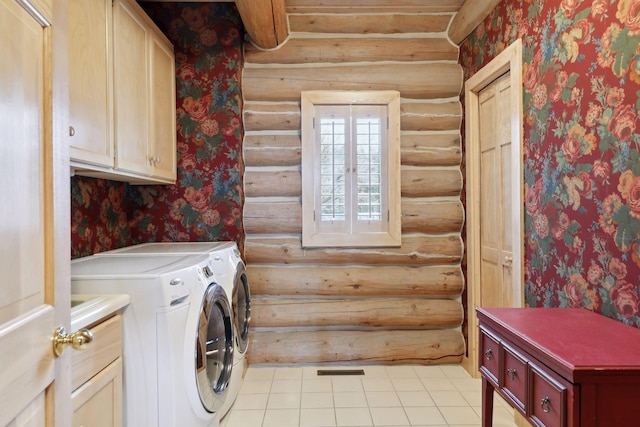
(512, 373)
(546, 404)
(72, 131)
(508, 260)
(79, 340)
(488, 354)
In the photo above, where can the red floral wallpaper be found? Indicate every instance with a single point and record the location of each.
(581, 143)
(206, 202)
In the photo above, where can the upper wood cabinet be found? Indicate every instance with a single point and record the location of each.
(90, 77)
(163, 108)
(140, 110)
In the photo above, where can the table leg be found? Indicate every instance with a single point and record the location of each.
(487, 403)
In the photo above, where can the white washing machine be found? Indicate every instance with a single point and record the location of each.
(229, 270)
(178, 336)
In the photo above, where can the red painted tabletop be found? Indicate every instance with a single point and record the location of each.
(577, 338)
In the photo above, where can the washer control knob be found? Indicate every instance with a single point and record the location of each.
(207, 271)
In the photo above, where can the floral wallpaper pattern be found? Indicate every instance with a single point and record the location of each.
(206, 202)
(581, 146)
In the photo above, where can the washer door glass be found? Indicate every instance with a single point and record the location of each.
(242, 308)
(214, 348)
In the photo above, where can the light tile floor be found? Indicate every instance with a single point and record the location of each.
(405, 395)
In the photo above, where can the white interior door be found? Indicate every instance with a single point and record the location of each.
(496, 257)
(494, 202)
(27, 313)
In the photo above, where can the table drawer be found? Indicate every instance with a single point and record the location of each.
(489, 355)
(547, 404)
(514, 376)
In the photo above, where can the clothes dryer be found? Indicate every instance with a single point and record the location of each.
(229, 270)
(178, 336)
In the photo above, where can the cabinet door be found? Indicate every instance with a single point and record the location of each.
(90, 99)
(163, 111)
(131, 90)
(98, 403)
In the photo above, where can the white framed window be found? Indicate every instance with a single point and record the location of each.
(350, 168)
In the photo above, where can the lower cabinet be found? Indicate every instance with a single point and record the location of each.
(97, 377)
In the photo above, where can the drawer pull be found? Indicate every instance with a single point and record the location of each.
(488, 354)
(546, 404)
(512, 373)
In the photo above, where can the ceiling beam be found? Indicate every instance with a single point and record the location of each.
(265, 21)
(468, 17)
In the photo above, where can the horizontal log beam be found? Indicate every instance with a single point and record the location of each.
(338, 50)
(414, 116)
(393, 347)
(266, 217)
(430, 182)
(432, 217)
(272, 217)
(426, 149)
(368, 23)
(414, 183)
(259, 117)
(271, 184)
(373, 6)
(400, 312)
(422, 81)
(415, 250)
(362, 281)
(258, 152)
(430, 116)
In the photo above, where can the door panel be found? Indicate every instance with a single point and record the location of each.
(130, 87)
(163, 125)
(27, 321)
(496, 238)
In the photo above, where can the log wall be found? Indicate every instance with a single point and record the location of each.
(340, 305)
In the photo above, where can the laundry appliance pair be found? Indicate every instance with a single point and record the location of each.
(186, 330)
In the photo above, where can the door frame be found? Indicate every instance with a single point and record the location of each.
(508, 60)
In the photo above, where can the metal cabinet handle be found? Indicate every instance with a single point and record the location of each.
(508, 260)
(72, 131)
(488, 354)
(512, 373)
(546, 404)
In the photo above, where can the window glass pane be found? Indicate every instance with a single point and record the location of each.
(368, 140)
(332, 168)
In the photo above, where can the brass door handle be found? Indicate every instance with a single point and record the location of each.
(79, 340)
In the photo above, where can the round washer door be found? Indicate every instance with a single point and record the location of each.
(214, 348)
(241, 307)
